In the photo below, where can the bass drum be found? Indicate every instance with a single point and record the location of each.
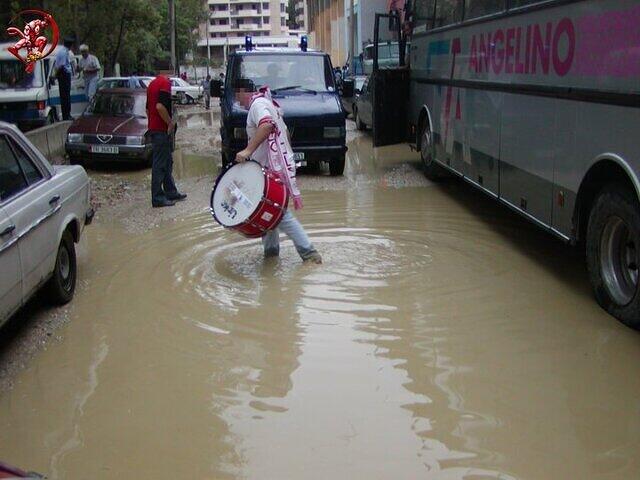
(249, 199)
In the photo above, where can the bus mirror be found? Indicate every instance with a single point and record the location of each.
(347, 88)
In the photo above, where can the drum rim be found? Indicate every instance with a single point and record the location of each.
(215, 186)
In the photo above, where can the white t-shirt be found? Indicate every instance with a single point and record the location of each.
(261, 111)
(92, 63)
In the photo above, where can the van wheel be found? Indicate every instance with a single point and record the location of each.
(432, 170)
(613, 253)
(62, 284)
(336, 166)
(75, 160)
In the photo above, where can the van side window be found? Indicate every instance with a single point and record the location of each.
(480, 8)
(447, 12)
(12, 180)
(423, 11)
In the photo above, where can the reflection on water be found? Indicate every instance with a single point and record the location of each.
(442, 338)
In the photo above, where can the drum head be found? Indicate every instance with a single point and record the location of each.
(238, 193)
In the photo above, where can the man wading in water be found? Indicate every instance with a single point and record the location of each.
(269, 145)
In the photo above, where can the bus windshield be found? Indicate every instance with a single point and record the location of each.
(286, 72)
(12, 75)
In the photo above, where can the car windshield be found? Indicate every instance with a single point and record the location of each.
(117, 104)
(12, 75)
(287, 72)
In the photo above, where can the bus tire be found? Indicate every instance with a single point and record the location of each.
(432, 170)
(336, 166)
(612, 249)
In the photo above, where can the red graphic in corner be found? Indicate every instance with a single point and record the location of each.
(33, 39)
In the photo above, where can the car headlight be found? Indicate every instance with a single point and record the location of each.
(135, 140)
(239, 134)
(334, 132)
(74, 137)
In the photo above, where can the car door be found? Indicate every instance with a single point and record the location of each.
(31, 205)
(366, 109)
(10, 274)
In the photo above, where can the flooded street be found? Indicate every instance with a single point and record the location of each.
(443, 338)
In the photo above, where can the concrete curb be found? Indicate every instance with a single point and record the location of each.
(50, 139)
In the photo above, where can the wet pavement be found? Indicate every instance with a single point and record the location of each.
(443, 337)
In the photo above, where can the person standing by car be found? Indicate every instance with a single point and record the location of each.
(161, 127)
(63, 70)
(89, 66)
(206, 90)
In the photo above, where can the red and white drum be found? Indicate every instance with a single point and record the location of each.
(249, 199)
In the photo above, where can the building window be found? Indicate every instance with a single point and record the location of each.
(265, 5)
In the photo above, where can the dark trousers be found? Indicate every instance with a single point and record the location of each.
(64, 85)
(162, 183)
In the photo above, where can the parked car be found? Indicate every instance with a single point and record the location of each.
(119, 82)
(348, 103)
(302, 83)
(183, 92)
(363, 106)
(43, 211)
(114, 127)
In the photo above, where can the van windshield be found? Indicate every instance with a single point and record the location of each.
(12, 75)
(288, 72)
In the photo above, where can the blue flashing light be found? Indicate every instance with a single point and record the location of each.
(248, 44)
(303, 43)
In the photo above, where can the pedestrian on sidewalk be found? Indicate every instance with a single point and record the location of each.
(90, 67)
(63, 70)
(270, 146)
(206, 90)
(161, 126)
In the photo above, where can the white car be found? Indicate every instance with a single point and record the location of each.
(43, 211)
(183, 92)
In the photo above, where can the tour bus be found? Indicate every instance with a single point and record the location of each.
(537, 104)
(30, 100)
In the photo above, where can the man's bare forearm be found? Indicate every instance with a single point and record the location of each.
(164, 114)
(261, 135)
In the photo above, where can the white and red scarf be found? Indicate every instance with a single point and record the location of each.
(281, 160)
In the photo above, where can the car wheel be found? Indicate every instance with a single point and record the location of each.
(62, 284)
(336, 166)
(359, 123)
(432, 170)
(182, 98)
(613, 253)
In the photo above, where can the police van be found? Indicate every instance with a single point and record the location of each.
(301, 81)
(32, 100)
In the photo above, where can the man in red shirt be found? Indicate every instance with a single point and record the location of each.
(161, 127)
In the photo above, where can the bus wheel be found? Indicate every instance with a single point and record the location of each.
(432, 170)
(613, 253)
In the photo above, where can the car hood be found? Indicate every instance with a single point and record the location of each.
(111, 125)
(319, 109)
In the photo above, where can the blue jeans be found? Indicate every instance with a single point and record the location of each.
(291, 226)
(163, 186)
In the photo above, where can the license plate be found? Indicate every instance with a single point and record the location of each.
(298, 157)
(104, 149)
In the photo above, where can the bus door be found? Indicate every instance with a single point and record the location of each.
(389, 83)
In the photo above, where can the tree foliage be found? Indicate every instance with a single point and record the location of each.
(134, 33)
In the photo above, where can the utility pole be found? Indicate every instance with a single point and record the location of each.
(352, 36)
(172, 34)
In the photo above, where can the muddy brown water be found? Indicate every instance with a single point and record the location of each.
(442, 338)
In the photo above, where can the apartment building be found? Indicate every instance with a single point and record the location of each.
(327, 28)
(231, 20)
(301, 14)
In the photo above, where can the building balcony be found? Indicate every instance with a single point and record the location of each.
(246, 13)
(219, 28)
(219, 14)
(246, 26)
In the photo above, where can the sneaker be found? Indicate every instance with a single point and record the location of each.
(176, 197)
(314, 257)
(163, 203)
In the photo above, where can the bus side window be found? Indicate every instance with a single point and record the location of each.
(447, 12)
(480, 8)
(423, 11)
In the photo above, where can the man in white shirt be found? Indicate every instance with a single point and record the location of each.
(89, 66)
